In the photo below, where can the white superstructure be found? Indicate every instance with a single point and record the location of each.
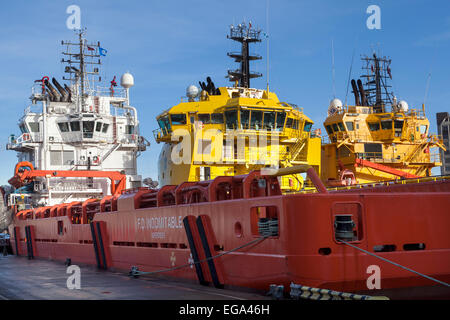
(78, 126)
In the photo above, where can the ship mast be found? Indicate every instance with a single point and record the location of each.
(377, 73)
(245, 35)
(81, 77)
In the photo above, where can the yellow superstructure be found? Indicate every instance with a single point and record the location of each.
(231, 132)
(368, 143)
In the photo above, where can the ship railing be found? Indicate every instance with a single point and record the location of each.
(24, 138)
(435, 157)
(381, 157)
(129, 138)
(418, 113)
(341, 136)
(116, 92)
(32, 109)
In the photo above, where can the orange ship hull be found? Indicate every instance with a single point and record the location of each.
(152, 231)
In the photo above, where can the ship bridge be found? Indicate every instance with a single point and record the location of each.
(81, 125)
(372, 142)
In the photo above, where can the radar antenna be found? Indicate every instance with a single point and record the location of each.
(245, 35)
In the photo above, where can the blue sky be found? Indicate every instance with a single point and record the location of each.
(168, 45)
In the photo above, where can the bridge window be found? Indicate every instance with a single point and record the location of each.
(164, 124)
(335, 127)
(217, 118)
(269, 120)
(245, 118)
(386, 125)
(23, 128)
(398, 127)
(74, 126)
(88, 128)
(178, 119)
(34, 126)
(204, 118)
(98, 126)
(341, 126)
(281, 117)
(398, 124)
(231, 119)
(308, 126)
(423, 129)
(374, 126)
(296, 123)
(329, 129)
(63, 126)
(349, 125)
(289, 122)
(256, 120)
(105, 128)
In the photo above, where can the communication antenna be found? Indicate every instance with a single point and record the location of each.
(349, 75)
(82, 60)
(267, 44)
(332, 69)
(427, 87)
(351, 66)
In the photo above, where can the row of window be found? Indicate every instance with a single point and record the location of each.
(88, 126)
(386, 125)
(339, 126)
(373, 126)
(245, 119)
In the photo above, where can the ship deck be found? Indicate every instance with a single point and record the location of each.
(23, 279)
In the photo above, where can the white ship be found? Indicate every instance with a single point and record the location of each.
(71, 130)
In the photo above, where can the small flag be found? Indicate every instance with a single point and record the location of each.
(371, 67)
(249, 25)
(389, 72)
(90, 48)
(102, 51)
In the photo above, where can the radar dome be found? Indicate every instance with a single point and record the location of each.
(335, 106)
(192, 92)
(402, 106)
(127, 80)
(336, 103)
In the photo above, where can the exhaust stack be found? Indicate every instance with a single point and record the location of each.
(64, 94)
(355, 92)
(55, 94)
(362, 92)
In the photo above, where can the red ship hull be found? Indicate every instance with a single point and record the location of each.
(409, 226)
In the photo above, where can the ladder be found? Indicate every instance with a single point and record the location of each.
(114, 129)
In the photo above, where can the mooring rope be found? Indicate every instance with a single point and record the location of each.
(134, 272)
(396, 264)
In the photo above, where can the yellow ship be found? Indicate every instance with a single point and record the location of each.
(370, 142)
(233, 130)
